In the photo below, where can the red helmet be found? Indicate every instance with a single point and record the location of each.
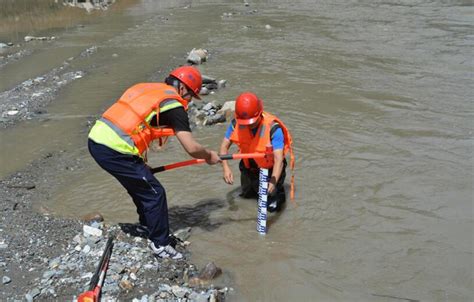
(248, 108)
(189, 76)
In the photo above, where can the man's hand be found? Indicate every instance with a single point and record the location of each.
(213, 159)
(271, 188)
(228, 176)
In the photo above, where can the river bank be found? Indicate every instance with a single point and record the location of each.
(45, 257)
(27, 17)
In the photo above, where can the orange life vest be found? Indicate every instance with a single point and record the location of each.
(243, 137)
(130, 112)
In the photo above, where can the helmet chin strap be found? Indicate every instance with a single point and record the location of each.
(179, 86)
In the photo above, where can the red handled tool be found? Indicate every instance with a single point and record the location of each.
(200, 161)
(93, 294)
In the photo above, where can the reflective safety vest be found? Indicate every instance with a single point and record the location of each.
(125, 126)
(243, 137)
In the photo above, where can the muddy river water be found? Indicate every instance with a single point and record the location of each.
(378, 96)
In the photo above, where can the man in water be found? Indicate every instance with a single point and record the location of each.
(253, 130)
(120, 140)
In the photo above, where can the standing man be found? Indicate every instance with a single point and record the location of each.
(253, 130)
(120, 139)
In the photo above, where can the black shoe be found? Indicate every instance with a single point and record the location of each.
(275, 205)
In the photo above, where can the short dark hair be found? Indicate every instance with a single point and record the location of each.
(172, 81)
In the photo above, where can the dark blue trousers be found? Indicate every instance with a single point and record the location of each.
(146, 191)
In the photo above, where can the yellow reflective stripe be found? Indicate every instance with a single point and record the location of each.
(102, 133)
(150, 117)
(169, 104)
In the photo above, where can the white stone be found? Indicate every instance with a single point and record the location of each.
(12, 112)
(86, 249)
(90, 231)
(230, 105)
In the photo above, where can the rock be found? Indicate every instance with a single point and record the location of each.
(183, 234)
(3, 45)
(117, 267)
(214, 119)
(213, 298)
(211, 86)
(79, 239)
(196, 297)
(196, 282)
(12, 112)
(228, 106)
(88, 276)
(6, 280)
(204, 91)
(209, 106)
(221, 84)
(125, 284)
(90, 231)
(268, 26)
(32, 294)
(165, 288)
(207, 79)
(209, 272)
(197, 56)
(86, 249)
(54, 263)
(178, 291)
(31, 38)
(48, 274)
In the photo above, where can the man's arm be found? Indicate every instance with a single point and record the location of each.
(277, 169)
(278, 144)
(228, 177)
(195, 149)
(177, 119)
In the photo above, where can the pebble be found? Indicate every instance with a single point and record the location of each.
(93, 217)
(91, 231)
(32, 294)
(210, 271)
(179, 291)
(6, 280)
(86, 249)
(126, 285)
